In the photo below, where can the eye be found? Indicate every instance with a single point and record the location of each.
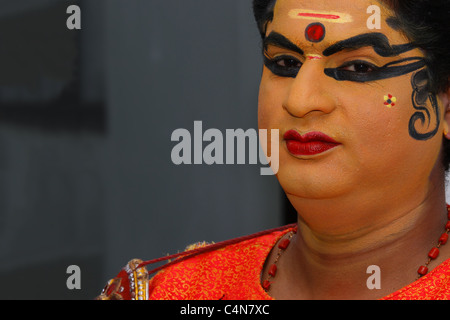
(288, 63)
(358, 67)
(283, 66)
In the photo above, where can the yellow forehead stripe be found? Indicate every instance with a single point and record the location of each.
(325, 16)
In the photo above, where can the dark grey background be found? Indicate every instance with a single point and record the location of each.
(86, 117)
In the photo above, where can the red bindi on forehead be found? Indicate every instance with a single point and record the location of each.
(315, 32)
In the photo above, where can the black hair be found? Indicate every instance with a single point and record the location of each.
(263, 12)
(426, 23)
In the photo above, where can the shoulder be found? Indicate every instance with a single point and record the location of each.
(203, 271)
(130, 284)
(217, 274)
(433, 286)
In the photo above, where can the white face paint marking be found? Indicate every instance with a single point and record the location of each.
(313, 56)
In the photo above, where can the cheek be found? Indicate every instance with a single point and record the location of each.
(384, 140)
(270, 99)
(386, 107)
(381, 124)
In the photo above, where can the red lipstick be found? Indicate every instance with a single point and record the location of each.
(309, 144)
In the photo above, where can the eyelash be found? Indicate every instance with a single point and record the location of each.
(288, 71)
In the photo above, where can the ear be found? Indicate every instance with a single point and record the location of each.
(445, 99)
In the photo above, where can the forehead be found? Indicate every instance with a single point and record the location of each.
(341, 19)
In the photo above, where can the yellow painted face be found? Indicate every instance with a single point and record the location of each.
(348, 93)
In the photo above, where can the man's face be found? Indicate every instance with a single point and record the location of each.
(357, 96)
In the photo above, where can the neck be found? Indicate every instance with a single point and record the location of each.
(332, 258)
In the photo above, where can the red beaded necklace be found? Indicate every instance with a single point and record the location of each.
(423, 270)
(434, 253)
(282, 246)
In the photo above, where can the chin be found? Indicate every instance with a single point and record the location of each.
(315, 183)
(316, 191)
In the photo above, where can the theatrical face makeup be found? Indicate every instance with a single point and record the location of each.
(358, 95)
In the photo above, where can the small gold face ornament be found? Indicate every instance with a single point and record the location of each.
(390, 101)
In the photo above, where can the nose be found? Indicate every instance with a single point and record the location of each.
(308, 92)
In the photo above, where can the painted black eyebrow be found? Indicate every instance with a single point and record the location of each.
(378, 41)
(278, 40)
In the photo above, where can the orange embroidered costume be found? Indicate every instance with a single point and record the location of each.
(232, 271)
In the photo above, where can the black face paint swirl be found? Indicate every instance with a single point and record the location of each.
(378, 41)
(421, 94)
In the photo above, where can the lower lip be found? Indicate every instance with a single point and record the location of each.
(298, 148)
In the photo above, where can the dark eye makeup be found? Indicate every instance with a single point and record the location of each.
(356, 70)
(283, 66)
(365, 72)
(288, 66)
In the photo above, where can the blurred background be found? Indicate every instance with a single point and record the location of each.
(86, 118)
